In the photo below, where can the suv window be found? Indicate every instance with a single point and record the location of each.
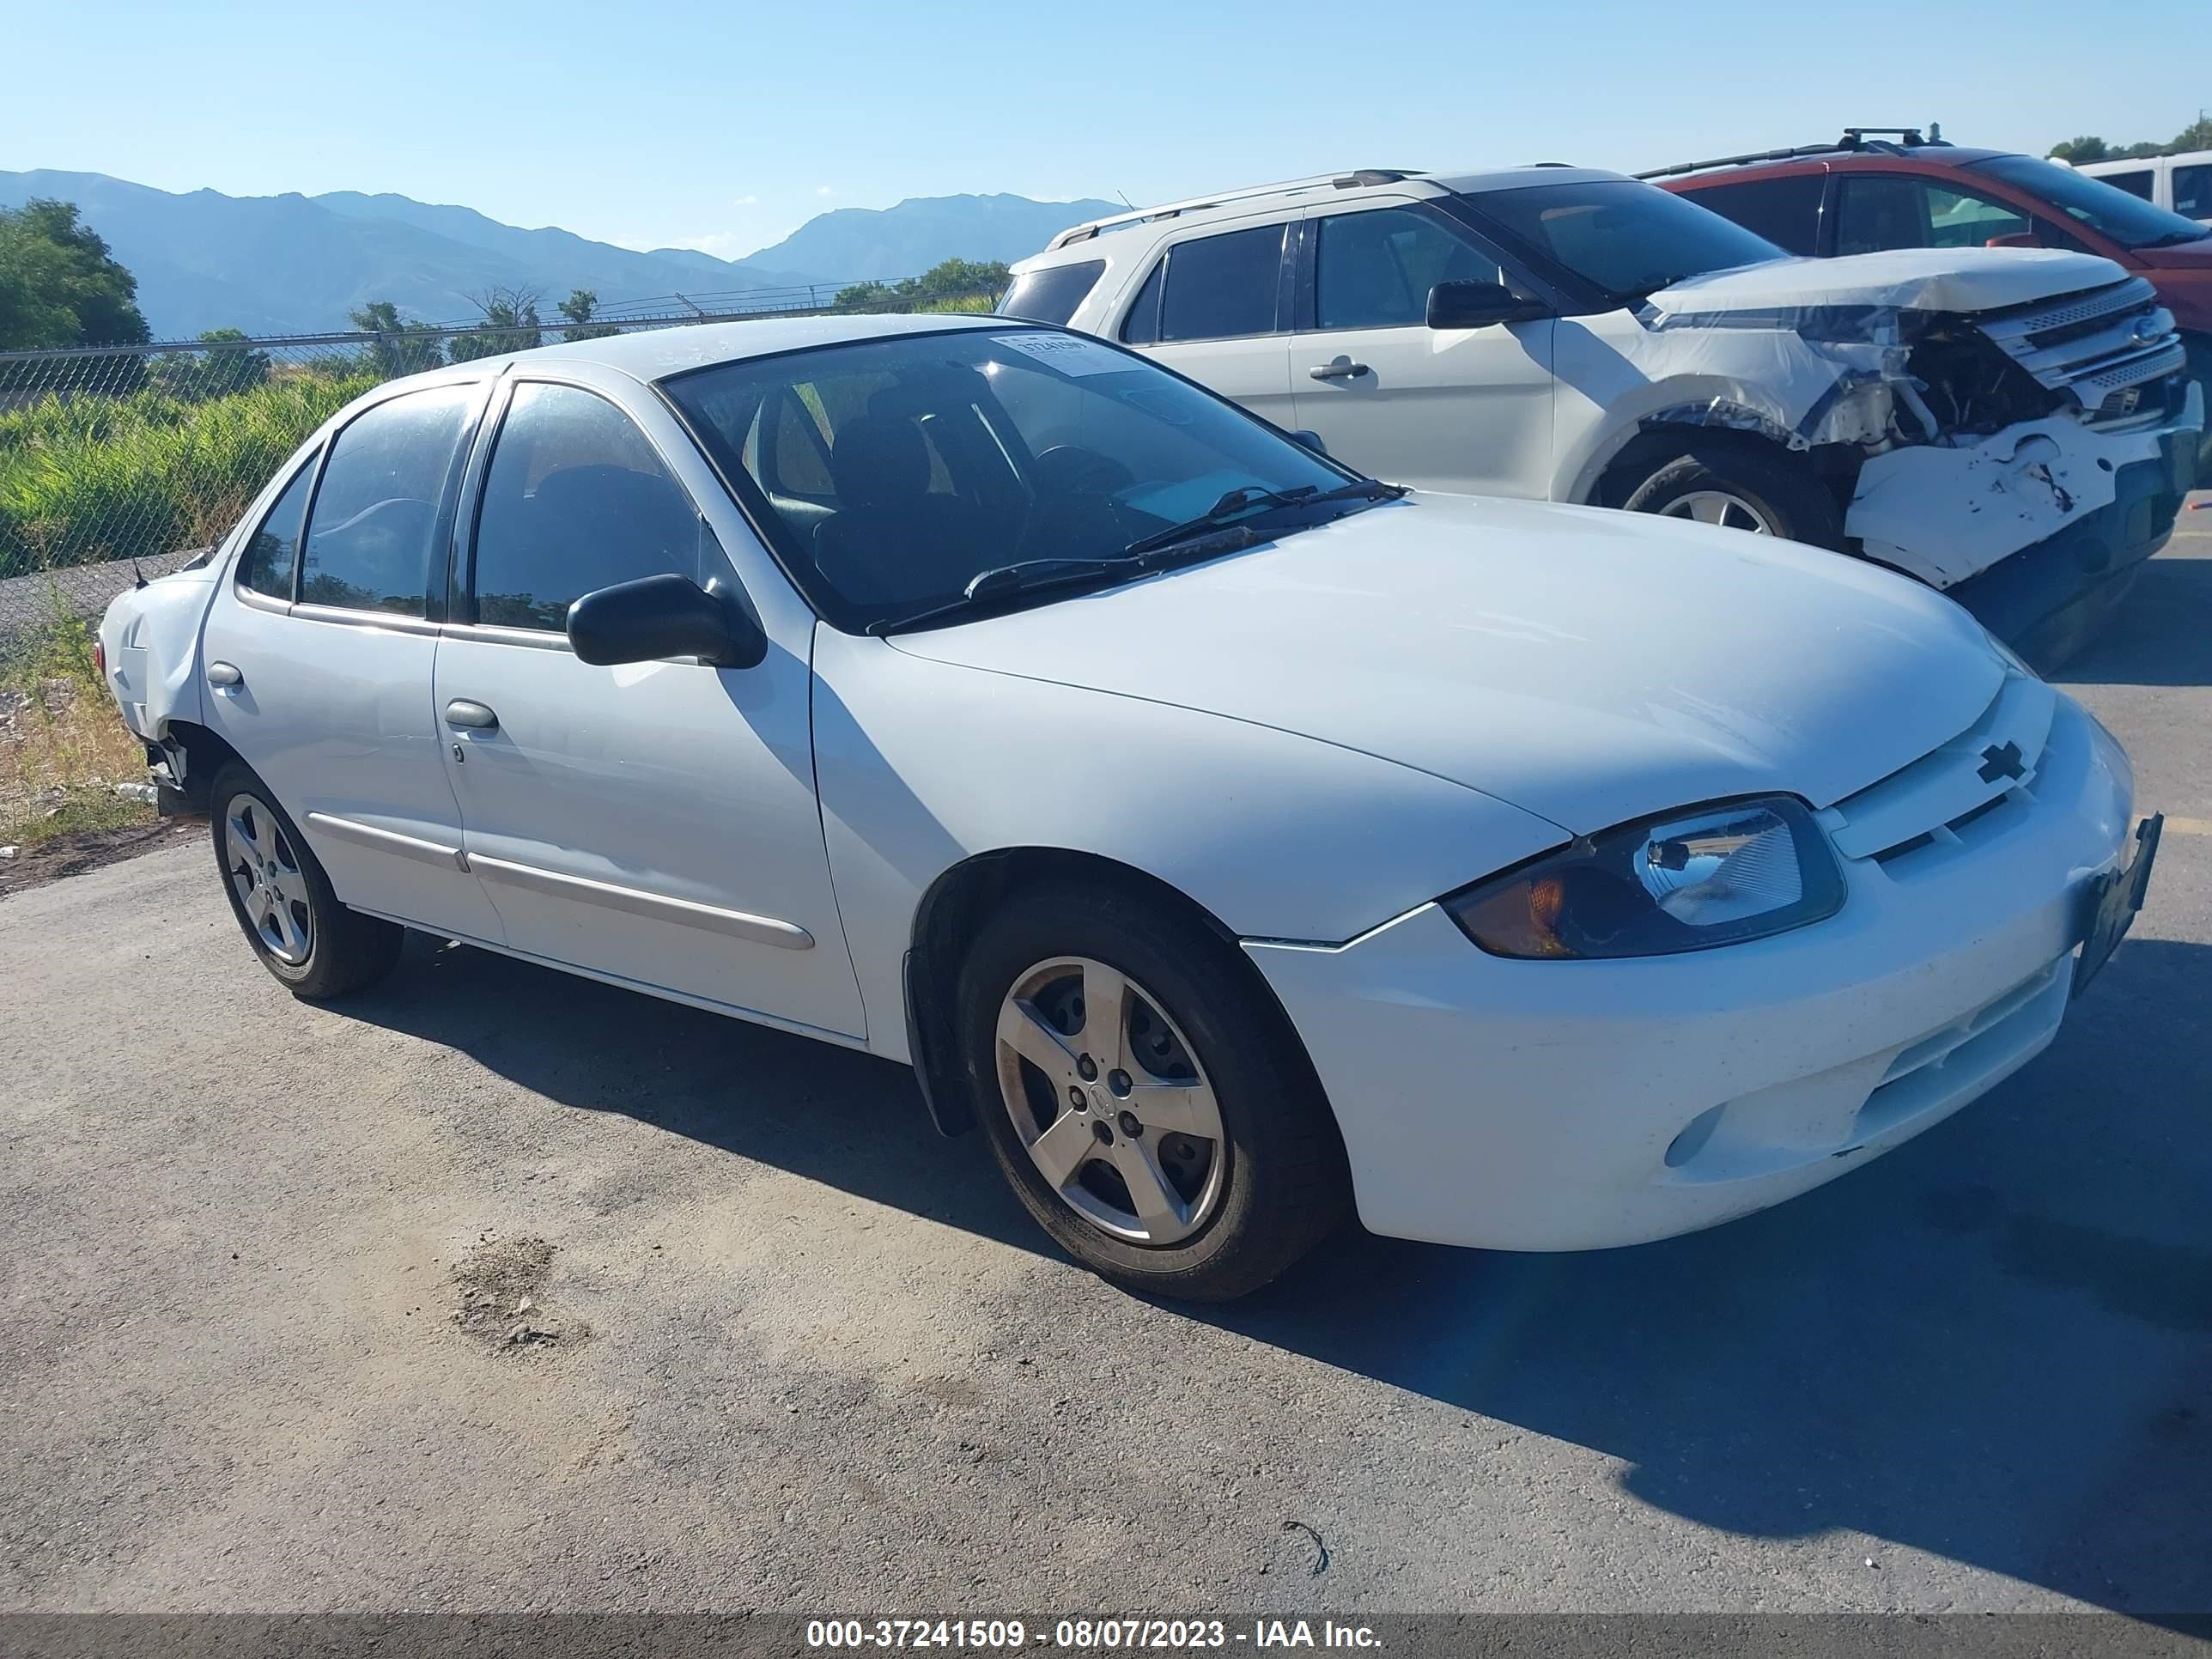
(1880, 211)
(1786, 211)
(1374, 270)
(1051, 295)
(1220, 288)
(368, 542)
(2135, 184)
(2192, 190)
(575, 501)
(271, 558)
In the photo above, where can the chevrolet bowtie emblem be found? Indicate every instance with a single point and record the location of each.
(2001, 760)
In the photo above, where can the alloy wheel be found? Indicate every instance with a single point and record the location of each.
(265, 872)
(1718, 507)
(1107, 1097)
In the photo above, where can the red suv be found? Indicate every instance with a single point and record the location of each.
(1889, 188)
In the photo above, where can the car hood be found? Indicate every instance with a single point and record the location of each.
(1909, 279)
(1584, 665)
(2182, 256)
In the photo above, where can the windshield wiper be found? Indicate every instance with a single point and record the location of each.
(1242, 499)
(1001, 580)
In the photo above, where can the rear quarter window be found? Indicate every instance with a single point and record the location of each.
(1052, 295)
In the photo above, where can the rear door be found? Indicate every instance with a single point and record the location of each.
(655, 823)
(1461, 409)
(1214, 307)
(319, 647)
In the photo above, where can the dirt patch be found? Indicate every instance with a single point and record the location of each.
(501, 1291)
(58, 856)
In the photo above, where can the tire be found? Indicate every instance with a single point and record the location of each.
(1234, 1207)
(316, 947)
(1763, 484)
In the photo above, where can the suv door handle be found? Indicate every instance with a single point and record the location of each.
(473, 715)
(1338, 368)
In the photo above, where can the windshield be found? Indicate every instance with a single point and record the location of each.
(1623, 237)
(2128, 220)
(891, 472)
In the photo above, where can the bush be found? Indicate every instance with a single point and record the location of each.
(85, 479)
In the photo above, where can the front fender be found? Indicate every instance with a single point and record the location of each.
(921, 765)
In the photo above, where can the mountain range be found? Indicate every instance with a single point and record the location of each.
(294, 264)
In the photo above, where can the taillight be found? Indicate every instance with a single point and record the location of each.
(100, 657)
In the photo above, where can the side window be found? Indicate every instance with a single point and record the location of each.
(272, 556)
(1786, 211)
(1051, 295)
(368, 543)
(2135, 184)
(1884, 211)
(1219, 288)
(1374, 270)
(2192, 190)
(576, 500)
(1142, 327)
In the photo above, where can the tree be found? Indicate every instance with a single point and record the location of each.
(511, 323)
(60, 286)
(578, 308)
(2079, 150)
(197, 375)
(401, 345)
(953, 279)
(2197, 134)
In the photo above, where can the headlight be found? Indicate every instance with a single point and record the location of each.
(1711, 875)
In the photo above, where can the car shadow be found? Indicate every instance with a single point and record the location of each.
(2162, 634)
(1994, 1346)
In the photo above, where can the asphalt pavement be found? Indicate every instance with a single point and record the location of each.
(497, 1289)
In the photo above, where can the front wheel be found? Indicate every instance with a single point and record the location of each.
(315, 946)
(1741, 486)
(1150, 1106)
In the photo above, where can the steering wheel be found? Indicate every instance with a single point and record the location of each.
(1068, 476)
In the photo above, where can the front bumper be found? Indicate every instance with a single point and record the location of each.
(2048, 600)
(1578, 1105)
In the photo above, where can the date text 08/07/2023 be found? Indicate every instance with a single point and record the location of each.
(1164, 1635)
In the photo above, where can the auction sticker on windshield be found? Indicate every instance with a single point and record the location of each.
(1070, 354)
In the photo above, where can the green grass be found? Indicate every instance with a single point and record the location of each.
(88, 479)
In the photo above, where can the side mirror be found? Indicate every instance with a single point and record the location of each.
(1479, 304)
(2017, 239)
(1310, 439)
(666, 616)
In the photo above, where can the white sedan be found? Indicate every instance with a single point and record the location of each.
(1240, 841)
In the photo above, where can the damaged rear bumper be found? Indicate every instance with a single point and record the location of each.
(2036, 530)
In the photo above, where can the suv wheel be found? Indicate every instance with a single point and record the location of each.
(1742, 486)
(314, 944)
(1150, 1109)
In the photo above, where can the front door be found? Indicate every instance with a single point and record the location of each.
(1468, 410)
(653, 823)
(1211, 309)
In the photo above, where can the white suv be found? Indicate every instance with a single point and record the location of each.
(2009, 425)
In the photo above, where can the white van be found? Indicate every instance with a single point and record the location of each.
(2180, 183)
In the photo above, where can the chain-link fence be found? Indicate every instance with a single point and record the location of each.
(115, 460)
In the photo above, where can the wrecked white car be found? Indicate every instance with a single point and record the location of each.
(2011, 426)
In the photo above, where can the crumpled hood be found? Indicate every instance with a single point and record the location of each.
(1584, 664)
(1908, 279)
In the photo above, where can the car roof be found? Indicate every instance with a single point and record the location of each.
(657, 353)
(1079, 242)
(1941, 156)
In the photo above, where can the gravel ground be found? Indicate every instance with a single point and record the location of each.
(785, 1348)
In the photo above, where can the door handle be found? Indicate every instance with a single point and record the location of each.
(224, 673)
(473, 715)
(1338, 368)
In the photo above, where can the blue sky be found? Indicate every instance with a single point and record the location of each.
(725, 126)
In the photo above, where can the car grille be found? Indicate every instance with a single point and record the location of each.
(1955, 796)
(2094, 347)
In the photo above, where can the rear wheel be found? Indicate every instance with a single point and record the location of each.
(314, 944)
(1149, 1106)
(1741, 485)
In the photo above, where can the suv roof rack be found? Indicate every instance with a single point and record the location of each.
(1854, 138)
(1354, 179)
